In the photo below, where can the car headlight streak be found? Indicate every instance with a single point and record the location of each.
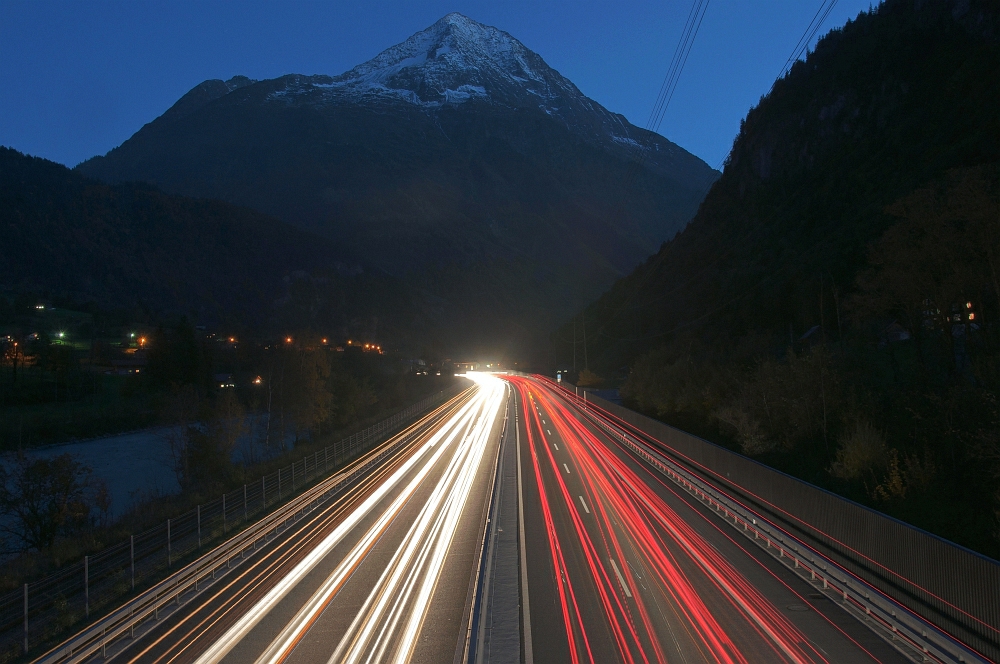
(389, 621)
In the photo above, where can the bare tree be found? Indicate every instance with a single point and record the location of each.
(181, 413)
(230, 422)
(41, 499)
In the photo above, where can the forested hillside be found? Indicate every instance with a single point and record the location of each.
(833, 307)
(132, 247)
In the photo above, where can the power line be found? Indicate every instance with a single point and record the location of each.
(691, 27)
(665, 94)
(681, 53)
(814, 25)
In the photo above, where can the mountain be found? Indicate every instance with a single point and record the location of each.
(883, 106)
(132, 247)
(831, 309)
(457, 160)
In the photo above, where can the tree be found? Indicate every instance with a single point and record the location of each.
(180, 412)
(938, 265)
(44, 498)
(588, 378)
(177, 358)
(351, 398)
(211, 451)
(303, 390)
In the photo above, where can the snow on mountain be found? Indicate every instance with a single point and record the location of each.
(458, 60)
(457, 54)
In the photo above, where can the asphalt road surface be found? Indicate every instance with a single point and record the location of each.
(384, 573)
(619, 565)
(623, 567)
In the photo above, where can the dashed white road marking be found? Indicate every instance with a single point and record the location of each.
(585, 508)
(621, 579)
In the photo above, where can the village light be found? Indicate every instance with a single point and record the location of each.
(288, 340)
(972, 316)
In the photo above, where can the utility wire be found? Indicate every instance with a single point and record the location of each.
(665, 94)
(681, 53)
(683, 49)
(814, 25)
(691, 27)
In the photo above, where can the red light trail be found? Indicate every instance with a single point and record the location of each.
(642, 560)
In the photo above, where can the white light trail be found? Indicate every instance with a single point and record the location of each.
(405, 589)
(388, 624)
(447, 433)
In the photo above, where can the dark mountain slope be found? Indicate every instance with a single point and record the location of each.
(130, 245)
(832, 307)
(457, 150)
(884, 105)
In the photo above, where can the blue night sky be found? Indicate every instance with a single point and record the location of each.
(78, 78)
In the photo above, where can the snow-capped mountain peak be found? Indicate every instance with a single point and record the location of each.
(449, 63)
(455, 60)
(460, 63)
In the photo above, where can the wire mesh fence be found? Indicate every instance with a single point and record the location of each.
(45, 608)
(953, 587)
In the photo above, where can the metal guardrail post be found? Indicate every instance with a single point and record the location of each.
(198, 517)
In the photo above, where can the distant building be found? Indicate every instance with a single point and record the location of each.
(127, 363)
(224, 380)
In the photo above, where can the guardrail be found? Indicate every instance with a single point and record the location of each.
(898, 623)
(479, 599)
(120, 623)
(45, 608)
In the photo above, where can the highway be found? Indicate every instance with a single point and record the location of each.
(622, 567)
(363, 578)
(595, 558)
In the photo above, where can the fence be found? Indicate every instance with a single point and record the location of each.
(952, 587)
(48, 607)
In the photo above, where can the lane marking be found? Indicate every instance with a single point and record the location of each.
(555, 446)
(448, 431)
(567, 469)
(548, 432)
(621, 579)
(585, 508)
